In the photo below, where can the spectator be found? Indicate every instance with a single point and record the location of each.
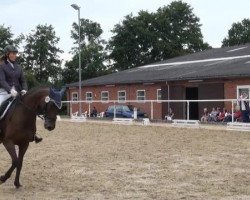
(94, 112)
(170, 115)
(205, 115)
(244, 106)
(213, 115)
(236, 114)
(222, 115)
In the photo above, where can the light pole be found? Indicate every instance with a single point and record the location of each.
(76, 7)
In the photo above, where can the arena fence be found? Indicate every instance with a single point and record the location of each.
(149, 106)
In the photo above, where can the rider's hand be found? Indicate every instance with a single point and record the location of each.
(13, 92)
(23, 92)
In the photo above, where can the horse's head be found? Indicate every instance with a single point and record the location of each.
(50, 107)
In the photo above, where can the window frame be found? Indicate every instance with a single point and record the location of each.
(242, 87)
(106, 100)
(157, 95)
(86, 96)
(137, 96)
(72, 98)
(125, 96)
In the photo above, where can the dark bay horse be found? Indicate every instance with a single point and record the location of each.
(19, 125)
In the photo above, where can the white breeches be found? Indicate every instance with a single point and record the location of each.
(3, 95)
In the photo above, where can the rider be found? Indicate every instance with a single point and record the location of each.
(12, 80)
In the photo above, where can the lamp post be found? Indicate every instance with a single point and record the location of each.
(76, 7)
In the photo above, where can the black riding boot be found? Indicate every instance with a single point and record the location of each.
(37, 139)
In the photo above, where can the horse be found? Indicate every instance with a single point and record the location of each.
(18, 127)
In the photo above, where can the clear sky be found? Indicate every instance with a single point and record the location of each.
(216, 16)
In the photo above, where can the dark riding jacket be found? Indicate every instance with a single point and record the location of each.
(10, 77)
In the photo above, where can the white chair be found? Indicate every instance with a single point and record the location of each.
(100, 115)
(85, 114)
(74, 115)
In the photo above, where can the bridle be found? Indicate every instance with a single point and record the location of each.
(42, 115)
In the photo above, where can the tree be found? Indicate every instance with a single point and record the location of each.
(238, 34)
(92, 53)
(149, 37)
(6, 38)
(41, 54)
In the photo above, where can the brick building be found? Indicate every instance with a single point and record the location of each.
(220, 73)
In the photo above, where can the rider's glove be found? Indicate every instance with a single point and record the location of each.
(23, 92)
(13, 92)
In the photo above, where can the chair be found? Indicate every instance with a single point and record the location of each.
(85, 114)
(100, 115)
(74, 115)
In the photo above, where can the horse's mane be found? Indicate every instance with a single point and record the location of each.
(35, 89)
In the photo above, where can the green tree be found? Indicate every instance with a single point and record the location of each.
(172, 31)
(7, 38)
(92, 52)
(238, 34)
(41, 54)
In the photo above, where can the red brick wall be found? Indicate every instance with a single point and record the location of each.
(131, 94)
(230, 92)
(231, 89)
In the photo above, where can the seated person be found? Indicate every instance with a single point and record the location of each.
(94, 112)
(170, 115)
(236, 114)
(222, 115)
(213, 115)
(205, 115)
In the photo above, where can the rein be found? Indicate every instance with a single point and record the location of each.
(43, 116)
(30, 109)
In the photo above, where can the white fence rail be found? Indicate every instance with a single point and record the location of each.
(151, 103)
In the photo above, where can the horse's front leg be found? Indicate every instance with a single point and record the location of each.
(10, 147)
(22, 150)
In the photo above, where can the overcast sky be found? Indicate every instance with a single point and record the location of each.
(216, 16)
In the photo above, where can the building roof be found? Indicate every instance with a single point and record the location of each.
(227, 62)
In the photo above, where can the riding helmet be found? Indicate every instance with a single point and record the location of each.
(9, 48)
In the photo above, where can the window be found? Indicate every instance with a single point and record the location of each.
(105, 96)
(89, 96)
(121, 95)
(243, 88)
(141, 95)
(159, 94)
(74, 96)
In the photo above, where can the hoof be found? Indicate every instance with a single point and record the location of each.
(17, 185)
(37, 140)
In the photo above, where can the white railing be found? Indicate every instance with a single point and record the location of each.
(151, 102)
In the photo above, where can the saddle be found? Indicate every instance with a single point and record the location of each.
(5, 107)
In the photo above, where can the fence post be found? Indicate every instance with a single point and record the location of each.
(135, 113)
(114, 110)
(152, 110)
(89, 110)
(70, 109)
(232, 111)
(187, 110)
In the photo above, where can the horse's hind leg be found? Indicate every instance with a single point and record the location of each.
(10, 147)
(22, 150)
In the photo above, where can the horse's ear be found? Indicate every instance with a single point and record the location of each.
(50, 90)
(62, 91)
